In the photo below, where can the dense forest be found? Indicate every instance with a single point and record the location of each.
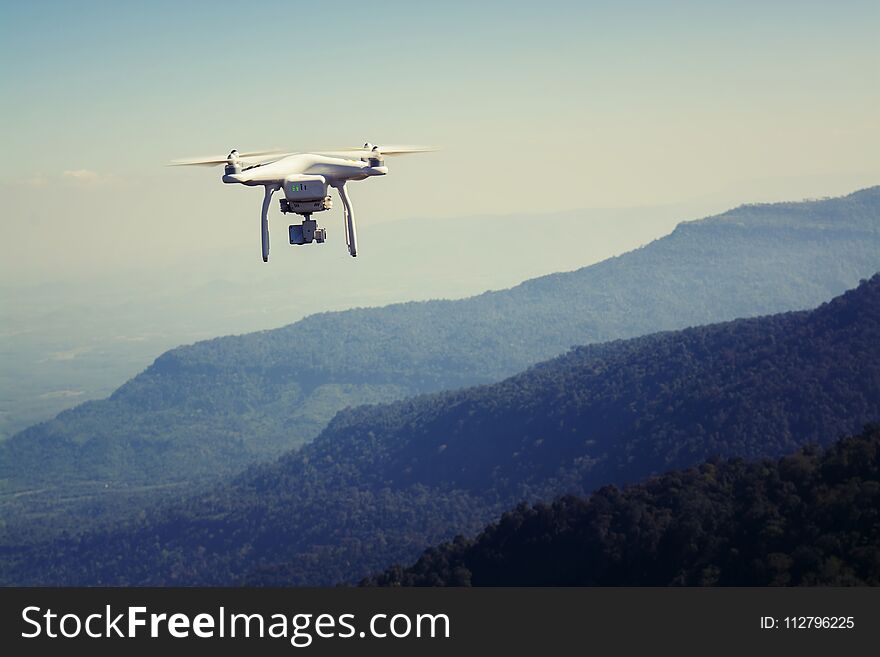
(211, 408)
(381, 483)
(811, 518)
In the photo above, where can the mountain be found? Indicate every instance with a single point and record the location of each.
(812, 518)
(381, 483)
(215, 406)
(67, 342)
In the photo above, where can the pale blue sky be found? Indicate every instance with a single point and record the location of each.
(597, 104)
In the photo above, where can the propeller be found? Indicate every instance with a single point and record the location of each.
(250, 157)
(369, 150)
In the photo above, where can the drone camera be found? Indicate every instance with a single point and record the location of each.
(307, 232)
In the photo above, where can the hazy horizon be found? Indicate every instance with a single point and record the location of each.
(536, 110)
(65, 342)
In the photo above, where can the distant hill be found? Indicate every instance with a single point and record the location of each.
(812, 518)
(69, 342)
(213, 407)
(381, 483)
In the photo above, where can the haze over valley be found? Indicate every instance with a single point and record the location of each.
(66, 341)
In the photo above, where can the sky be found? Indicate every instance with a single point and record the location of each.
(536, 107)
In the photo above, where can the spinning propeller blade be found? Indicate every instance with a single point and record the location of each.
(368, 150)
(250, 157)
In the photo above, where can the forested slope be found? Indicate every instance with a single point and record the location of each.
(381, 483)
(811, 518)
(213, 407)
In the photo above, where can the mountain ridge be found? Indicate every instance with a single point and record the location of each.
(215, 406)
(383, 482)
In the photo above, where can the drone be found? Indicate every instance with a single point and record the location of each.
(305, 179)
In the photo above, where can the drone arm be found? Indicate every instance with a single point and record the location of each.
(264, 219)
(350, 230)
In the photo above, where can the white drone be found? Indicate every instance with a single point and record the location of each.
(305, 179)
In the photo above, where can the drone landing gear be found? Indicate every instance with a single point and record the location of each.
(350, 231)
(264, 219)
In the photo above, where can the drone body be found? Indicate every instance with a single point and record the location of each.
(305, 180)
